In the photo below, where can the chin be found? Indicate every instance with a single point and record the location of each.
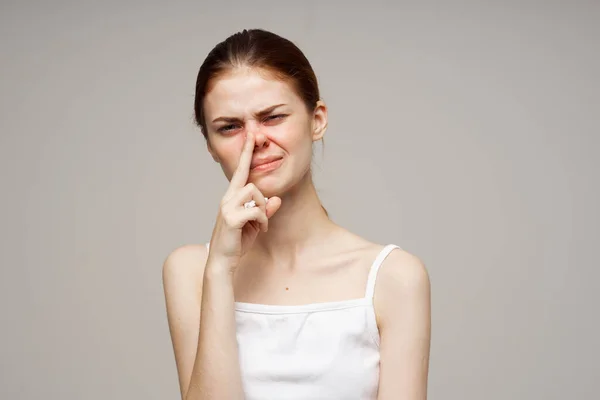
(269, 186)
(277, 185)
(274, 184)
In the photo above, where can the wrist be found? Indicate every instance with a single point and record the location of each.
(219, 269)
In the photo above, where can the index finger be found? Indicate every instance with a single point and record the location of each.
(240, 176)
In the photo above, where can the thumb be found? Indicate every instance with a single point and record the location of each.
(273, 205)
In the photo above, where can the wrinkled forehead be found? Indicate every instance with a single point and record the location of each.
(246, 91)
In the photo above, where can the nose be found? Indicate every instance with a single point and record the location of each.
(260, 139)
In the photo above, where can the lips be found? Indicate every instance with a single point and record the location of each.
(265, 160)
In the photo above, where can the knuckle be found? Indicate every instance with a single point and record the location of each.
(263, 215)
(224, 206)
(259, 214)
(228, 219)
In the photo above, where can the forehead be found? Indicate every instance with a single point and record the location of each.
(243, 91)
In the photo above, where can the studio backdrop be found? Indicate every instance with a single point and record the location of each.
(466, 132)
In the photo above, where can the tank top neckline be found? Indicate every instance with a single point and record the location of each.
(365, 301)
(301, 308)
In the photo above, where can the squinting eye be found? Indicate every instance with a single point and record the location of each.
(272, 117)
(226, 128)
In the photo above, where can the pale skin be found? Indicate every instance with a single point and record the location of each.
(280, 257)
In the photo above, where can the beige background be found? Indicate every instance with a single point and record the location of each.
(465, 132)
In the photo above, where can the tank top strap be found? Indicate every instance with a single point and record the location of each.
(375, 268)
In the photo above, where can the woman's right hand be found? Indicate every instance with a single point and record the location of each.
(237, 227)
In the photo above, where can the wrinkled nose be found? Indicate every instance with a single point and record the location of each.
(260, 139)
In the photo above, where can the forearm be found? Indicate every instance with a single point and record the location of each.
(216, 373)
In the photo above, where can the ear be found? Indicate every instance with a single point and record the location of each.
(319, 121)
(211, 150)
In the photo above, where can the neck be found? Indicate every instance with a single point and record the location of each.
(300, 222)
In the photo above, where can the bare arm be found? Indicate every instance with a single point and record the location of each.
(402, 301)
(216, 373)
(182, 284)
(204, 342)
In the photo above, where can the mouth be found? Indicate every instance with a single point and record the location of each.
(268, 166)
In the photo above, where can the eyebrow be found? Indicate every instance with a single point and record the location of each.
(258, 114)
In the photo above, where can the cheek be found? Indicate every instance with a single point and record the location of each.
(293, 137)
(299, 148)
(229, 151)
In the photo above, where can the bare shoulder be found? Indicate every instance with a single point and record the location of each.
(402, 285)
(187, 260)
(182, 274)
(403, 270)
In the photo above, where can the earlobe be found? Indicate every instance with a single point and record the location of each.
(319, 133)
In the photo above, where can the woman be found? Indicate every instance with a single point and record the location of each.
(282, 304)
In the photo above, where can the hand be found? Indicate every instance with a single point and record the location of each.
(237, 227)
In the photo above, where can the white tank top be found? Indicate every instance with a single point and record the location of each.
(315, 351)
